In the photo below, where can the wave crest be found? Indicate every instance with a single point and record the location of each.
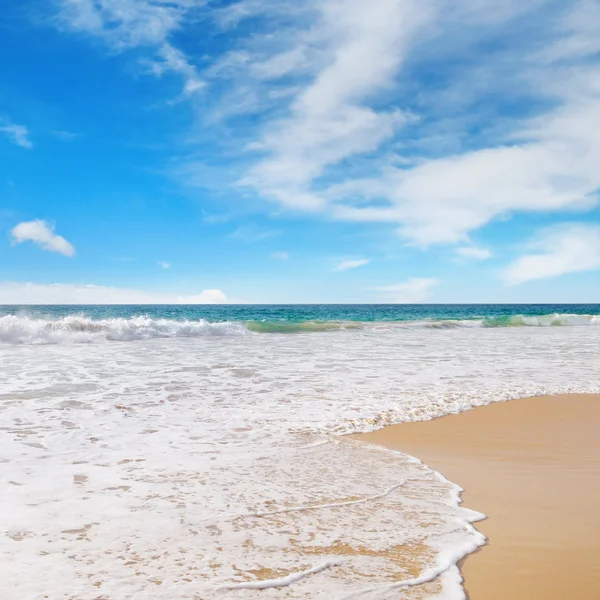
(22, 329)
(553, 320)
(27, 329)
(301, 326)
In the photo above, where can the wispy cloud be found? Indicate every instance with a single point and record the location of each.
(413, 291)
(329, 119)
(279, 255)
(566, 249)
(216, 219)
(350, 264)
(442, 200)
(342, 70)
(42, 234)
(61, 293)
(163, 264)
(127, 24)
(18, 134)
(474, 252)
(253, 233)
(67, 136)
(540, 164)
(346, 125)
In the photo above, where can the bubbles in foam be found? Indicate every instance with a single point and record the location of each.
(39, 330)
(170, 468)
(23, 329)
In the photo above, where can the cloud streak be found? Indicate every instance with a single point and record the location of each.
(350, 264)
(18, 134)
(345, 124)
(60, 293)
(567, 249)
(126, 24)
(474, 252)
(412, 291)
(329, 119)
(42, 234)
(353, 58)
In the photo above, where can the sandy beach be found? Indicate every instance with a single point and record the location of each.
(533, 467)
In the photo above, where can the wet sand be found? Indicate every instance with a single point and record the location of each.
(533, 467)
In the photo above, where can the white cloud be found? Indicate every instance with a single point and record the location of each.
(279, 255)
(547, 163)
(474, 252)
(204, 297)
(172, 59)
(565, 249)
(442, 200)
(278, 65)
(337, 84)
(18, 134)
(578, 34)
(126, 24)
(329, 119)
(230, 15)
(350, 264)
(58, 293)
(41, 233)
(163, 264)
(64, 135)
(253, 233)
(413, 291)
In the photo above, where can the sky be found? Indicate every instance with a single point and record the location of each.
(277, 151)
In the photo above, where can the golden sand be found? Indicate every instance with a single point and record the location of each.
(533, 467)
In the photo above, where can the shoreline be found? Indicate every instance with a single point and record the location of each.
(532, 466)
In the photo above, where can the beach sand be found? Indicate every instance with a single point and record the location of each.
(533, 467)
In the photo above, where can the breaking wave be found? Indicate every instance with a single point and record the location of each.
(18, 329)
(553, 320)
(301, 326)
(25, 329)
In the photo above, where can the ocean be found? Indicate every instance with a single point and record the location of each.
(199, 452)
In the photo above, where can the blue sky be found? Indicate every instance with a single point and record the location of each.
(316, 151)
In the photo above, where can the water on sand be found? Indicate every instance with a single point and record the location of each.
(202, 465)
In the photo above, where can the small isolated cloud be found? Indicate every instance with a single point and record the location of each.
(279, 256)
(474, 252)
(566, 249)
(18, 134)
(413, 291)
(42, 233)
(61, 293)
(64, 135)
(350, 264)
(204, 297)
(163, 264)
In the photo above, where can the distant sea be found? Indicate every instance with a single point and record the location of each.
(47, 324)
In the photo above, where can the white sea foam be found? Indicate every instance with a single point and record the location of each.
(25, 329)
(169, 469)
(553, 320)
(282, 581)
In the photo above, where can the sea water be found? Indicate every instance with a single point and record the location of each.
(178, 452)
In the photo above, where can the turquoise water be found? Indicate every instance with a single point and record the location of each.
(56, 324)
(299, 313)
